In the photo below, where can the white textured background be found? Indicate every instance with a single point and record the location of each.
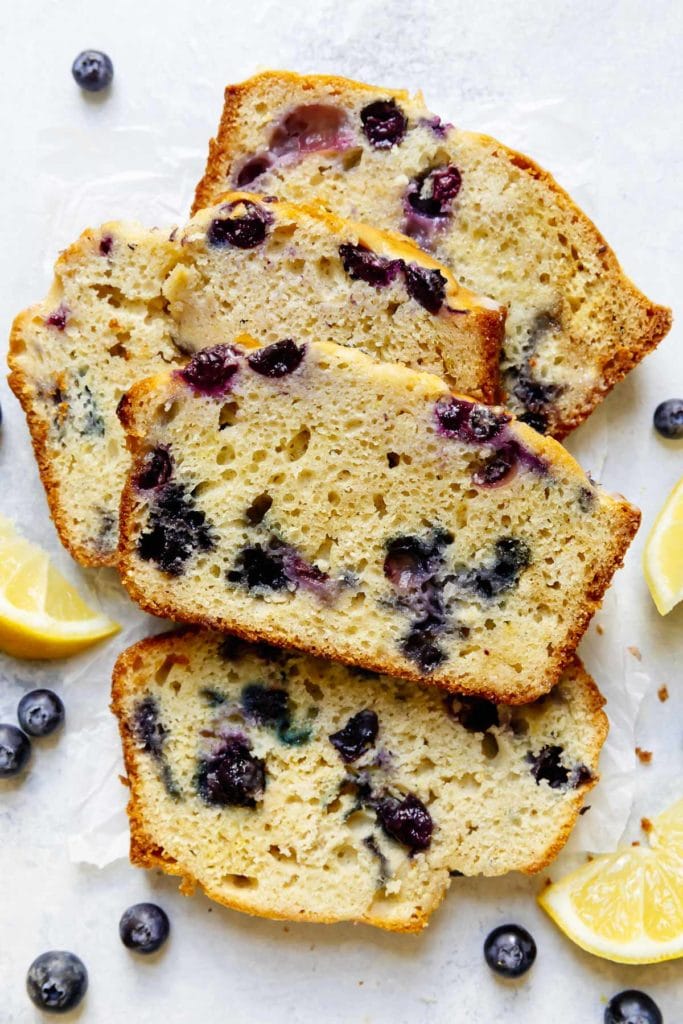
(595, 93)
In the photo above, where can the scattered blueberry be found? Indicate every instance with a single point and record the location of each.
(211, 370)
(252, 169)
(176, 530)
(474, 713)
(498, 468)
(57, 981)
(277, 360)
(546, 766)
(267, 705)
(432, 192)
(106, 243)
(406, 820)
(509, 950)
(632, 1007)
(259, 569)
(428, 287)
(58, 318)
(233, 776)
(144, 927)
(357, 736)
(15, 751)
(475, 424)
(384, 123)
(668, 418)
(411, 560)
(92, 70)
(421, 645)
(157, 467)
(243, 230)
(149, 732)
(362, 264)
(512, 556)
(40, 712)
(536, 420)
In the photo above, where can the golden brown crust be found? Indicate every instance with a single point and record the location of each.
(144, 852)
(649, 322)
(38, 429)
(625, 524)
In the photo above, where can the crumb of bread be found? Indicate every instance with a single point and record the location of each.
(644, 756)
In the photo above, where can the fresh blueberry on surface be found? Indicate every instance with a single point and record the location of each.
(384, 123)
(211, 370)
(668, 419)
(362, 264)
(509, 950)
(40, 712)
(233, 776)
(277, 360)
(632, 1007)
(357, 736)
(157, 467)
(428, 287)
(92, 70)
(15, 751)
(244, 230)
(144, 927)
(407, 820)
(57, 981)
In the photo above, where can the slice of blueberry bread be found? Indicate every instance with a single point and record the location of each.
(103, 325)
(296, 788)
(575, 323)
(257, 265)
(307, 495)
(125, 301)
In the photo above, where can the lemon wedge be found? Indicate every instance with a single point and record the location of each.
(627, 906)
(41, 615)
(663, 555)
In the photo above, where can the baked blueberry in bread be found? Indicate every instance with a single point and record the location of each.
(306, 495)
(126, 302)
(295, 788)
(576, 325)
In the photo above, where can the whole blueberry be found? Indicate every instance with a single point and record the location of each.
(40, 712)
(428, 287)
(92, 70)
(277, 360)
(157, 468)
(233, 776)
(668, 418)
(357, 736)
(144, 927)
(509, 950)
(15, 751)
(57, 981)
(384, 123)
(211, 370)
(407, 820)
(632, 1007)
(242, 224)
(362, 264)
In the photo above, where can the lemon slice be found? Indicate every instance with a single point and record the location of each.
(41, 615)
(663, 555)
(627, 906)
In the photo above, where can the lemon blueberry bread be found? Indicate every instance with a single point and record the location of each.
(292, 787)
(127, 301)
(308, 495)
(575, 324)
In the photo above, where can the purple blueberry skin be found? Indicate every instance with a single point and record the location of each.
(509, 950)
(15, 751)
(106, 244)
(357, 736)
(157, 469)
(210, 371)
(474, 713)
(277, 360)
(407, 820)
(57, 981)
(668, 419)
(475, 424)
(267, 705)
(311, 128)
(175, 532)
(252, 169)
(232, 777)
(632, 1007)
(92, 70)
(428, 287)
(362, 264)
(546, 766)
(58, 318)
(432, 193)
(245, 230)
(384, 123)
(148, 730)
(144, 928)
(40, 712)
